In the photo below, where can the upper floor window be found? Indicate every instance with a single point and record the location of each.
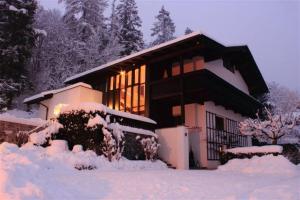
(127, 91)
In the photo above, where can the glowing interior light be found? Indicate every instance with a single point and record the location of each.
(57, 109)
(122, 73)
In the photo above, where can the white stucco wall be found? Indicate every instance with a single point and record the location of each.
(235, 78)
(71, 96)
(174, 147)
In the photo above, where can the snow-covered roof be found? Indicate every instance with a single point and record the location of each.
(44, 94)
(133, 55)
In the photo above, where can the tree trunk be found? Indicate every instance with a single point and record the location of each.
(274, 141)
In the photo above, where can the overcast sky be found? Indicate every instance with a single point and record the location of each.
(270, 28)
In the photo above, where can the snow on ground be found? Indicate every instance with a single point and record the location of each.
(33, 172)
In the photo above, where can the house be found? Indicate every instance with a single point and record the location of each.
(196, 89)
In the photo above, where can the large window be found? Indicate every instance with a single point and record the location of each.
(126, 91)
(222, 133)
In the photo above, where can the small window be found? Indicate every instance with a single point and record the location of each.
(188, 66)
(220, 123)
(143, 73)
(198, 62)
(129, 78)
(176, 111)
(136, 76)
(175, 69)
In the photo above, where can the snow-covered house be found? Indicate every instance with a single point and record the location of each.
(196, 89)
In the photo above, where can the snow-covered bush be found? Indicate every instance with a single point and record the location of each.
(42, 137)
(271, 129)
(150, 147)
(249, 152)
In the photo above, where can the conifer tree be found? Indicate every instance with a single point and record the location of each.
(188, 31)
(164, 28)
(131, 37)
(17, 38)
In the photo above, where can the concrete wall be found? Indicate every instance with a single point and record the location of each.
(174, 147)
(9, 131)
(235, 78)
(71, 96)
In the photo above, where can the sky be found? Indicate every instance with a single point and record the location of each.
(270, 28)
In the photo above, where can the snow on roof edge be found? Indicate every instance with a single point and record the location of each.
(133, 55)
(43, 94)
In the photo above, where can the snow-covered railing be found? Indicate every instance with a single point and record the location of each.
(135, 123)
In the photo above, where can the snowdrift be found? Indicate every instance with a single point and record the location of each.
(268, 164)
(25, 171)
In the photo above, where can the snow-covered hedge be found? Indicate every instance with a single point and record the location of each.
(99, 131)
(249, 152)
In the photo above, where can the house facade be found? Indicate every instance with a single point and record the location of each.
(196, 89)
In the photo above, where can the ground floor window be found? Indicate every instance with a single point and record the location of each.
(222, 133)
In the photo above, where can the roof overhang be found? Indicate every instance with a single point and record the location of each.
(178, 44)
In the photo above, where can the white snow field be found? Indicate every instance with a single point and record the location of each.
(33, 172)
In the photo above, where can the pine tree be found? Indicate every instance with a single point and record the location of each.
(188, 31)
(131, 37)
(164, 28)
(85, 17)
(17, 38)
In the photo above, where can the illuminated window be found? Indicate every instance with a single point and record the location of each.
(175, 69)
(129, 78)
(111, 85)
(176, 111)
(136, 76)
(188, 66)
(117, 81)
(198, 62)
(127, 91)
(128, 99)
(143, 73)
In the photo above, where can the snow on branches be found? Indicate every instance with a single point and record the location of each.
(113, 143)
(272, 128)
(150, 146)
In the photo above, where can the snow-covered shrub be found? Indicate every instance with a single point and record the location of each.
(42, 137)
(150, 147)
(271, 129)
(84, 128)
(249, 152)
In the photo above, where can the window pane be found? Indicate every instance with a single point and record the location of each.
(135, 99)
(122, 100)
(136, 76)
(188, 66)
(142, 95)
(198, 62)
(175, 69)
(143, 73)
(123, 76)
(110, 99)
(117, 81)
(111, 85)
(117, 99)
(129, 78)
(128, 99)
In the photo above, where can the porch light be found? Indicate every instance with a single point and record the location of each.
(57, 109)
